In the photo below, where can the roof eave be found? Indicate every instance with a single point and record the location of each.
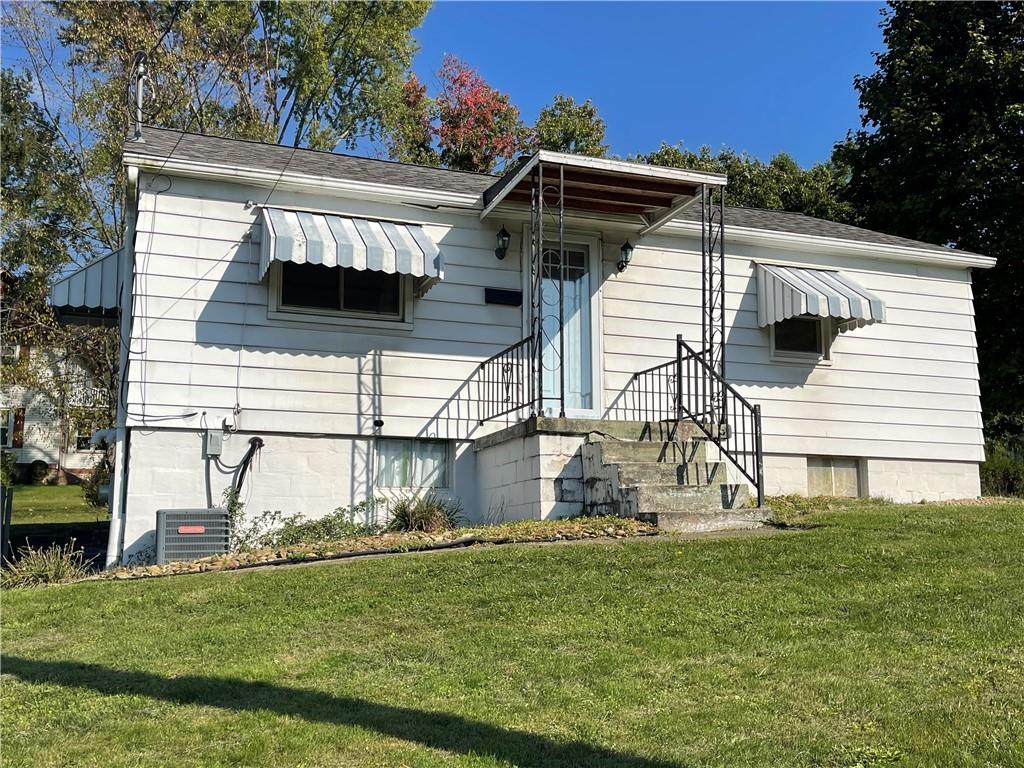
(841, 246)
(299, 182)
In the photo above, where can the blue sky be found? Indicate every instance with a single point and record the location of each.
(761, 77)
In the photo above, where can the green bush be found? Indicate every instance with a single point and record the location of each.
(96, 480)
(275, 529)
(8, 469)
(342, 523)
(428, 513)
(53, 565)
(1002, 473)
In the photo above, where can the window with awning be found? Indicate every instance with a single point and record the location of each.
(91, 291)
(348, 243)
(785, 292)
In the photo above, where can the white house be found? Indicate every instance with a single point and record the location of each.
(578, 333)
(37, 429)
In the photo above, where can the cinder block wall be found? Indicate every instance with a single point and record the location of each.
(532, 477)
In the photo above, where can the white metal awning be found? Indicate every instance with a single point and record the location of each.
(301, 237)
(93, 289)
(784, 292)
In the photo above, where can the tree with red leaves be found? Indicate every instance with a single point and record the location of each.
(478, 124)
(469, 127)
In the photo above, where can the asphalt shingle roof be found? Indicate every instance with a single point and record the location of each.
(163, 142)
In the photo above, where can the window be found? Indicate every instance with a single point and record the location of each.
(333, 289)
(6, 427)
(82, 430)
(831, 476)
(801, 338)
(413, 464)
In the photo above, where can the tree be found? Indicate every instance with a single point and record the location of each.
(940, 158)
(780, 184)
(477, 125)
(565, 126)
(40, 209)
(470, 126)
(68, 371)
(315, 74)
(412, 136)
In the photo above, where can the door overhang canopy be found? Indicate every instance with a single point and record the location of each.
(91, 292)
(784, 292)
(302, 237)
(650, 195)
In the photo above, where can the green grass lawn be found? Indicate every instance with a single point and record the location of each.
(52, 504)
(883, 635)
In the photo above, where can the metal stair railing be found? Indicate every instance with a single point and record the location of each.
(505, 382)
(689, 387)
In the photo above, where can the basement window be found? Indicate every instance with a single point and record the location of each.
(798, 339)
(337, 290)
(413, 463)
(833, 476)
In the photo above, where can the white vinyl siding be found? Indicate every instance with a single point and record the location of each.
(203, 340)
(210, 341)
(907, 387)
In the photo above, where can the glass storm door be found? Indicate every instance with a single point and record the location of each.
(578, 363)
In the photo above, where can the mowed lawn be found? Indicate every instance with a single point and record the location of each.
(51, 505)
(884, 635)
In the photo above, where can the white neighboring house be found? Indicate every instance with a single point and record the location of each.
(512, 341)
(33, 428)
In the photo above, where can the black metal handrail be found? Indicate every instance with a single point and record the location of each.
(505, 381)
(689, 387)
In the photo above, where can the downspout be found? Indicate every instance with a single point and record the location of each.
(126, 301)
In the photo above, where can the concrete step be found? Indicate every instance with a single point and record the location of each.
(660, 473)
(691, 521)
(656, 431)
(625, 451)
(677, 498)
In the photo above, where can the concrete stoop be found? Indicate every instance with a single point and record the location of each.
(660, 473)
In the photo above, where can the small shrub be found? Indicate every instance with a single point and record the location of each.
(38, 471)
(428, 513)
(342, 523)
(53, 565)
(8, 469)
(96, 481)
(1002, 473)
(275, 529)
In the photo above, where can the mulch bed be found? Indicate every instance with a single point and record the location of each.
(397, 543)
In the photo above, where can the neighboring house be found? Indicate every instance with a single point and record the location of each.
(37, 429)
(386, 328)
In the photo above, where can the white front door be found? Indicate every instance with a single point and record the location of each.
(573, 340)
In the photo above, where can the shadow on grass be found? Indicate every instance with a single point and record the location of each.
(436, 730)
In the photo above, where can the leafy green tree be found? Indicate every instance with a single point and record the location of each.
(412, 135)
(779, 184)
(565, 126)
(940, 158)
(317, 74)
(68, 371)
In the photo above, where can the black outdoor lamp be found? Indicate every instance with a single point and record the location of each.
(503, 240)
(625, 254)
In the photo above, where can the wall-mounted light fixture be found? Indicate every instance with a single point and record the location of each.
(625, 254)
(504, 238)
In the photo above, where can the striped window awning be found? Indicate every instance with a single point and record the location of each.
(301, 237)
(91, 290)
(785, 292)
